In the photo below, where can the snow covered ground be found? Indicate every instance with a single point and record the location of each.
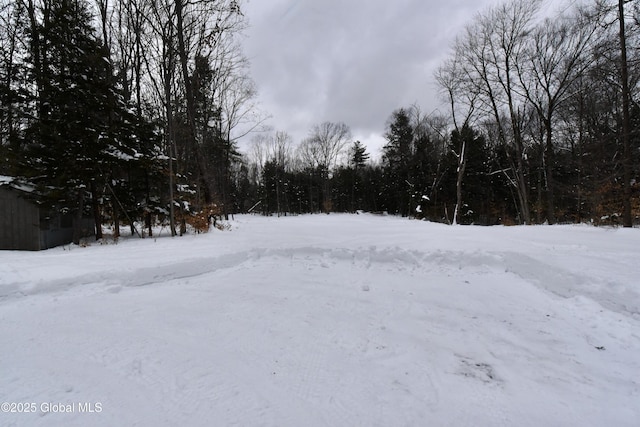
(339, 320)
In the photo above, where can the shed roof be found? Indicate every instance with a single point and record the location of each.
(17, 184)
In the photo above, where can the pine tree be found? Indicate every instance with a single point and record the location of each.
(357, 162)
(396, 160)
(70, 144)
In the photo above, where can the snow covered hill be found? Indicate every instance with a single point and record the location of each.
(339, 320)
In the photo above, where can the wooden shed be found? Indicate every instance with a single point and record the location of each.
(24, 225)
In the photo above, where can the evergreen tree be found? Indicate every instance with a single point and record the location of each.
(359, 155)
(84, 145)
(275, 184)
(357, 162)
(396, 160)
(424, 168)
(66, 144)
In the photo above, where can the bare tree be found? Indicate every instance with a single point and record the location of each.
(489, 51)
(329, 140)
(201, 29)
(161, 62)
(11, 49)
(279, 154)
(556, 57)
(192, 50)
(617, 69)
(279, 149)
(627, 162)
(451, 80)
(321, 150)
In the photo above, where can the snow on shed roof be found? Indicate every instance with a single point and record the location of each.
(16, 184)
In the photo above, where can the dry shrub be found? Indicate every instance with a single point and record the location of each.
(608, 204)
(201, 221)
(507, 221)
(327, 205)
(608, 200)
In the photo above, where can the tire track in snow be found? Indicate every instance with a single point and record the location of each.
(550, 278)
(565, 284)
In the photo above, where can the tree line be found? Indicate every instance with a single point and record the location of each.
(555, 97)
(542, 126)
(131, 111)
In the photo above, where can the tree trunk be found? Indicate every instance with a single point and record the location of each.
(148, 222)
(462, 164)
(202, 168)
(77, 223)
(97, 218)
(626, 122)
(116, 217)
(549, 161)
(169, 141)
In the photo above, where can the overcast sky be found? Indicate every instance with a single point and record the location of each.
(351, 61)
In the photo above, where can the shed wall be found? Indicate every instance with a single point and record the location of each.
(19, 222)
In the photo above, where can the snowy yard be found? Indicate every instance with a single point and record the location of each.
(339, 320)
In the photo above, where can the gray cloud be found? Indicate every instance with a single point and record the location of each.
(353, 61)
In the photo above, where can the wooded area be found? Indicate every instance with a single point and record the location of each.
(542, 127)
(131, 111)
(98, 97)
